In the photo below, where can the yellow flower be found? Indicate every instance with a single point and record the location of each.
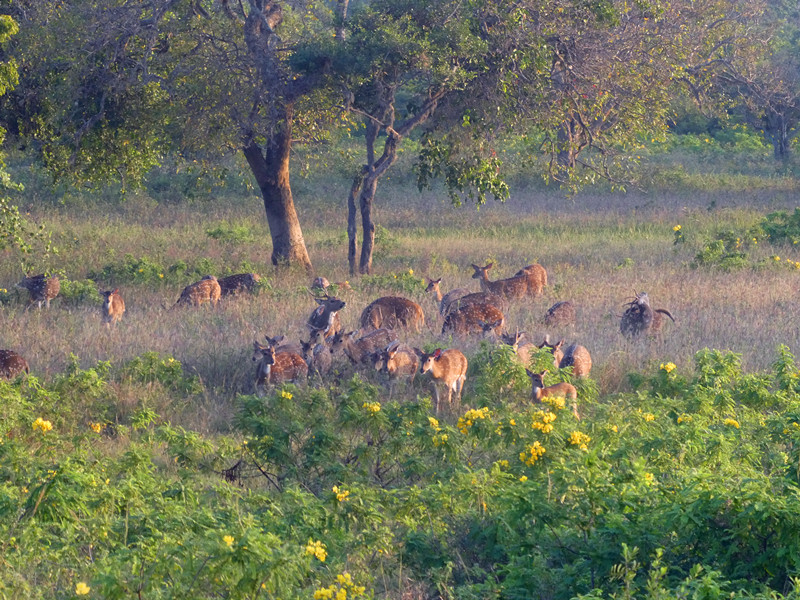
(411, 271)
(434, 423)
(580, 439)
(649, 417)
(524, 478)
(228, 539)
(614, 429)
(161, 275)
(81, 589)
(668, 367)
(676, 228)
(372, 407)
(286, 394)
(472, 415)
(317, 549)
(341, 494)
(732, 423)
(96, 427)
(40, 423)
(532, 453)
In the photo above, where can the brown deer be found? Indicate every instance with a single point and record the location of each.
(561, 313)
(200, 292)
(40, 289)
(512, 288)
(536, 276)
(325, 318)
(317, 354)
(397, 360)
(393, 312)
(12, 364)
(360, 349)
(444, 301)
(448, 367)
(233, 285)
(113, 307)
(276, 366)
(560, 390)
(474, 318)
(641, 318)
(574, 355)
(523, 348)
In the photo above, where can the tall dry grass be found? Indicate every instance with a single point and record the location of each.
(598, 250)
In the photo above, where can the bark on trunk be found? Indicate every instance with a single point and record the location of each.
(271, 170)
(352, 225)
(367, 226)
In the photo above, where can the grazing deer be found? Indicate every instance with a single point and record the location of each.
(560, 390)
(360, 349)
(233, 285)
(536, 276)
(397, 360)
(325, 318)
(317, 354)
(473, 318)
(200, 292)
(641, 318)
(444, 302)
(113, 307)
(512, 288)
(12, 364)
(393, 312)
(561, 313)
(276, 366)
(574, 355)
(448, 367)
(40, 289)
(523, 348)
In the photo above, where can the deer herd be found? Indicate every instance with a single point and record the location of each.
(376, 345)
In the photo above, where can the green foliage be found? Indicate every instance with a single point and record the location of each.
(782, 227)
(232, 234)
(405, 282)
(152, 367)
(79, 292)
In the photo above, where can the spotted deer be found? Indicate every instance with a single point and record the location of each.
(444, 301)
(12, 364)
(325, 318)
(200, 292)
(640, 318)
(233, 285)
(560, 390)
(41, 289)
(473, 318)
(574, 355)
(512, 288)
(397, 360)
(276, 366)
(317, 354)
(393, 312)
(536, 275)
(360, 349)
(522, 347)
(561, 313)
(448, 367)
(113, 307)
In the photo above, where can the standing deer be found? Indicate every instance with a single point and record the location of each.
(40, 289)
(474, 318)
(536, 276)
(317, 354)
(512, 288)
(574, 355)
(393, 312)
(560, 390)
(113, 307)
(641, 318)
(325, 318)
(12, 364)
(200, 292)
(360, 349)
(448, 367)
(233, 285)
(523, 348)
(444, 301)
(276, 365)
(397, 360)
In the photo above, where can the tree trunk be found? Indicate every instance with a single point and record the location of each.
(779, 132)
(365, 199)
(352, 226)
(271, 170)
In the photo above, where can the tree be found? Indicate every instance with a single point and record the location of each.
(109, 87)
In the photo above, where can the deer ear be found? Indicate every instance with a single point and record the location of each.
(437, 353)
(437, 280)
(116, 291)
(543, 373)
(530, 373)
(489, 266)
(418, 352)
